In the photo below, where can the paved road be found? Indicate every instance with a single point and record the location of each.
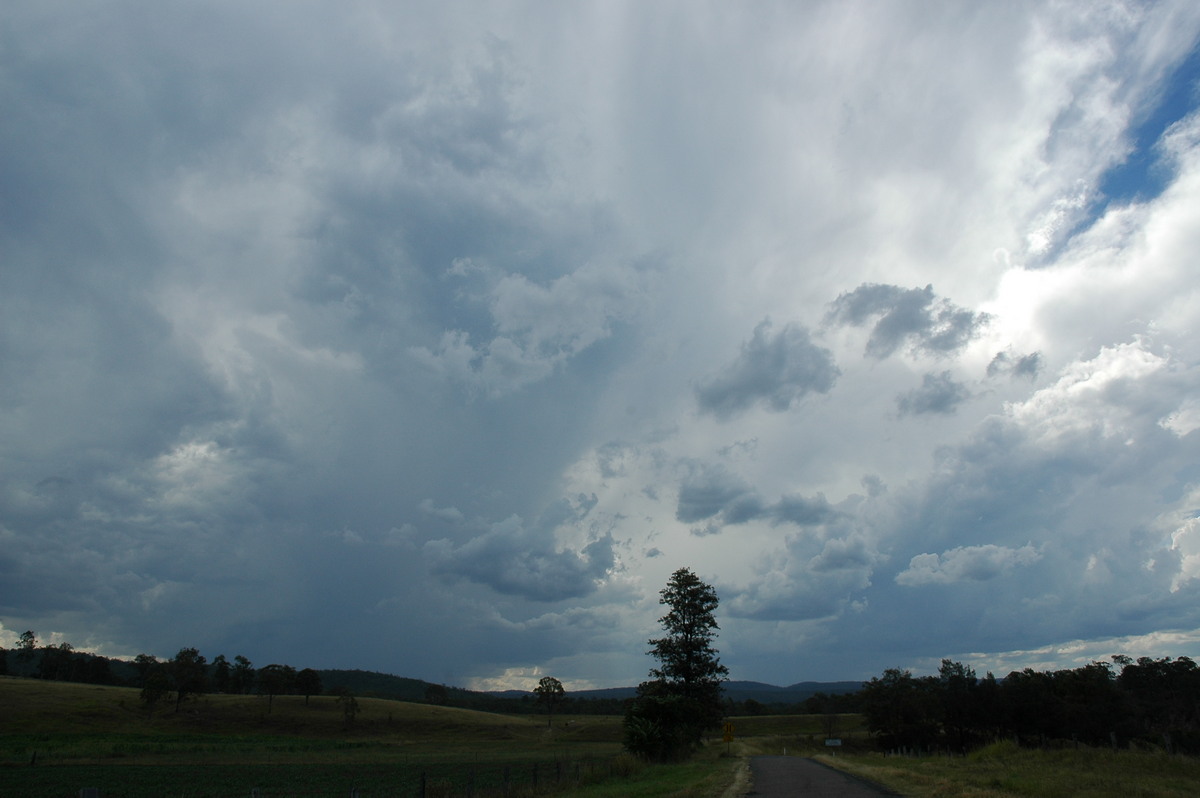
(788, 776)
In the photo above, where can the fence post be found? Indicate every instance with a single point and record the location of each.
(421, 793)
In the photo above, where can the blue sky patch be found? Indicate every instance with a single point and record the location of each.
(1142, 176)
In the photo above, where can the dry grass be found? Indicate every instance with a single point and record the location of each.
(1005, 771)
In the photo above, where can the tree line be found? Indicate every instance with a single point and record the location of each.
(57, 662)
(186, 675)
(189, 674)
(1151, 701)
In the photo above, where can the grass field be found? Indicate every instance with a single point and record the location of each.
(56, 738)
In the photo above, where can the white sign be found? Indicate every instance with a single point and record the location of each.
(833, 741)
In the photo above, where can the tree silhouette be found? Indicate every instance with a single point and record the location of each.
(308, 682)
(275, 680)
(26, 646)
(242, 678)
(189, 673)
(549, 693)
(683, 699)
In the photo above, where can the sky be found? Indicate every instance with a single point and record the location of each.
(431, 338)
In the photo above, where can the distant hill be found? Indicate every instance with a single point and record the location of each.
(385, 685)
(370, 683)
(793, 694)
(734, 691)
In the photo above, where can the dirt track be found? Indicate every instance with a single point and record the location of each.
(788, 776)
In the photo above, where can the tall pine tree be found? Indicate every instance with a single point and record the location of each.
(683, 698)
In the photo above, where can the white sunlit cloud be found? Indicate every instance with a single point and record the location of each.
(977, 563)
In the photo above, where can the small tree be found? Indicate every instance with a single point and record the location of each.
(222, 673)
(144, 664)
(349, 706)
(189, 672)
(243, 675)
(308, 682)
(26, 646)
(155, 685)
(275, 680)
(683, 699)
(549, 693)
